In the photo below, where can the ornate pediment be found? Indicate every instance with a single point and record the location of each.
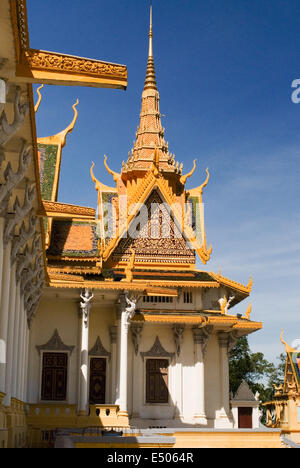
(157, 351)
(99, 350)
(157, 238)
(55, 344)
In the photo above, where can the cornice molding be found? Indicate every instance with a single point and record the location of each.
(52, 208)
(55, 68)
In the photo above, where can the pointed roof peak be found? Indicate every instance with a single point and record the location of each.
(150, 81)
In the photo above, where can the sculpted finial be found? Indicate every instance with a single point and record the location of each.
(39, 99)
(62, 135)
(155, 164)
(224, 304)
(288, 349)
(248, 312)
(184, 178)
(115, 175)
(205, 183)
(250, 283)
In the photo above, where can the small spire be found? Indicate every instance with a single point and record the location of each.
(150, 82)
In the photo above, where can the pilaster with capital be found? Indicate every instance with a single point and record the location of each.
(201, 337)
(178, 333)
(224, 340)
(136, 335)
(113, 332)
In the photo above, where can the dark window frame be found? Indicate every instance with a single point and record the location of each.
(158, 377)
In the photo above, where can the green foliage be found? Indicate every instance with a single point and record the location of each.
(48, 172)
(259, 373)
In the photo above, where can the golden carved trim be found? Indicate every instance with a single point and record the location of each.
(65, 277)
(187, 319)
(241, 325)
(55, 68)
(74, 259)
(134, 286)
(232, 284)
(52, 208)
(54, 61)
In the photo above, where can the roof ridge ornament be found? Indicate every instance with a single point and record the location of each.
(288, 348)
(184, 178)
(37, 105)
(115, 175)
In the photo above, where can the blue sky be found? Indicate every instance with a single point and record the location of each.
(224, 71)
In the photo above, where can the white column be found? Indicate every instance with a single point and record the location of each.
(123, 364)
(178, 333)
(113, 341)
(20, 349)
(16, 341)
(117, 393)
(25, 389)
(199, 382)
(1, 252)
(126, 315)
(84, 353)
(24, 363)
(224, 416)
(4, 314)
(10, 335)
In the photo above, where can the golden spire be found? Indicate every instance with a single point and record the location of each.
(150, 82)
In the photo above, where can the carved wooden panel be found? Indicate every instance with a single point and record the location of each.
(54, 376)
(157, 381)
(97, 380)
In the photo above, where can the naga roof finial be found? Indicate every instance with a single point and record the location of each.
(288, 348)
(70, 127)
(115, 175)
(184, 178)
(39, 99)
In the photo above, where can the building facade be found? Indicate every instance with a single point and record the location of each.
(105, 319)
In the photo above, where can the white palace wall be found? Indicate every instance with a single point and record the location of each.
(63, 315)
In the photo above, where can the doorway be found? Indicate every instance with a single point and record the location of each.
(245, 418)
(97, 380)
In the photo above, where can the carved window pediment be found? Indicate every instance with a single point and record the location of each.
(99, 350)
(55, 344)
(157, 351)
